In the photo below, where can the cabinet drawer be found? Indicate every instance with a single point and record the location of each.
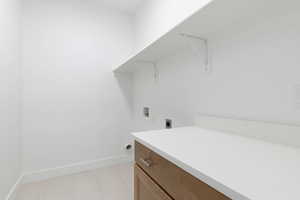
(145, 188)
(175, 181)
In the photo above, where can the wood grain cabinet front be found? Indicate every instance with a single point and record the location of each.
(177, 183)
(145, 188)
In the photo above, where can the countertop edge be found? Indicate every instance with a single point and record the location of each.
(196, 173)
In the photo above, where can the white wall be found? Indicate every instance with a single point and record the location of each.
(9, 95)
(74, 109)
(171, 96)
(155, 18)
(254, 70)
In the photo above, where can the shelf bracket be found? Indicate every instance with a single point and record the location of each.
(205, 41)
(154, 65)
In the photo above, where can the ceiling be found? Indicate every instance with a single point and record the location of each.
(129, 6)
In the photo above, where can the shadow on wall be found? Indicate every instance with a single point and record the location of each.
(125, 84)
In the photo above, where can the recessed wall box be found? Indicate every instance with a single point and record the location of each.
(146, 112)
(169, 124)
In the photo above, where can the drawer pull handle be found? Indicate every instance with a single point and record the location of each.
(147, 163)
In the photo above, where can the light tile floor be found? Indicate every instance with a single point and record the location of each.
(108, 183)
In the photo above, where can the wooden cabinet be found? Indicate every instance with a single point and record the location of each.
(145, 188)
(175, 182)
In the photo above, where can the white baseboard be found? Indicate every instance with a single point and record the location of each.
(13, 191)
(73, 168)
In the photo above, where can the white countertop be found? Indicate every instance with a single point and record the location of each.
(240, 167)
